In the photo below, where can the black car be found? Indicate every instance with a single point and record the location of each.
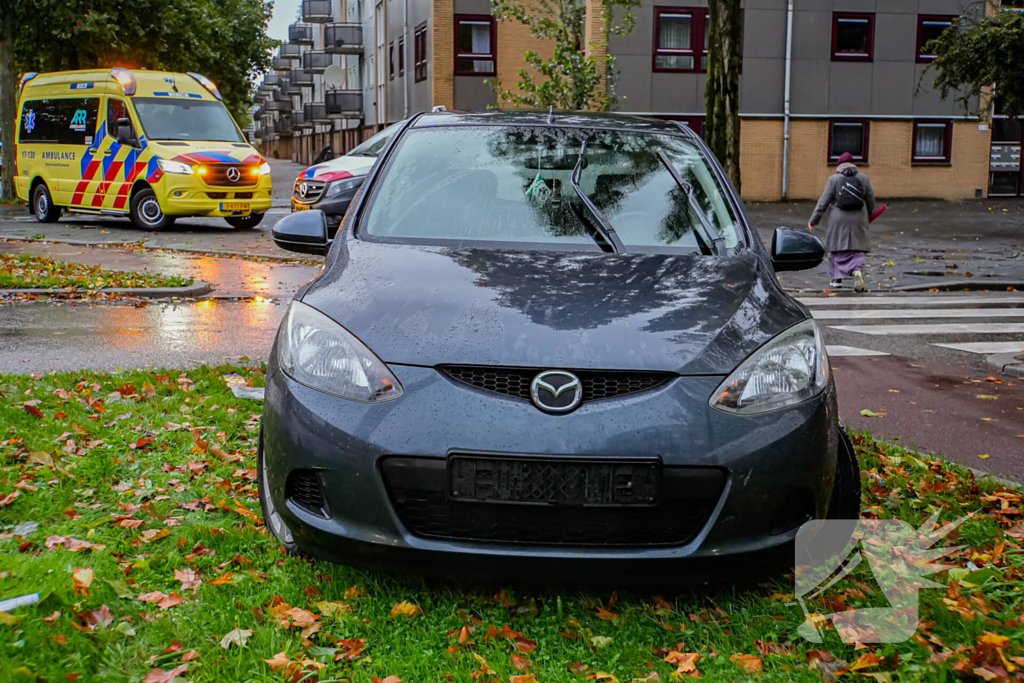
(550, 345)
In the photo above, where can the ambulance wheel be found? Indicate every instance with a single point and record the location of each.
(45, 211)
(146, 212)
(245, 222)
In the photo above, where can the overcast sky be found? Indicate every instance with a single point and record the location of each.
(284, 14)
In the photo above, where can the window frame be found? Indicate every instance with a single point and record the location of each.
(947, 144)
(863, 159)
(391, 61)
(921, 19)
(401, 57)
(698, 47)
(491, 57)
(419, 49)
(856, 57)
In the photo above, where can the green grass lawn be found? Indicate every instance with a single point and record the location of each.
(24, 271)
(152, 562)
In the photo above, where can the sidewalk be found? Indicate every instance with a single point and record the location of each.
(919, 244)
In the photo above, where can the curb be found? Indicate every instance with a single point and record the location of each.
(961, 285)
(193, 291)
(142, 246)
(1011, 364)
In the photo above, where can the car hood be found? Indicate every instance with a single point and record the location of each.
(353, 165)
(198, 152)
(428, 306)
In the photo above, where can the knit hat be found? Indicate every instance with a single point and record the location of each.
(846, 158)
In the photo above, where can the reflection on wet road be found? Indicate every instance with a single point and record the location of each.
(45, 336)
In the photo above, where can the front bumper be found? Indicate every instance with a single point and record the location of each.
(185, 195)
(764, 460)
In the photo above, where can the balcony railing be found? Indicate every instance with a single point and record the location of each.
(270, 81)
(299, 119)
(344, 104)
(316, 61)
(281, 94)
(316, 113)
(259, 97)
(344, 38)
(300, 79)
(300, 34)
(279, 105)
(283, 126)
(290, 51)
(317, 11)
(281, 63)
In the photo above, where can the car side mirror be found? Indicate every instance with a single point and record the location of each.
(302, 231)
(124, 132)
(796, 250)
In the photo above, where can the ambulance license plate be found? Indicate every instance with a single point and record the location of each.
(234, 206)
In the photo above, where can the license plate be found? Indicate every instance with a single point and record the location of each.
(300, 207)
(548, 481)
(234, 206)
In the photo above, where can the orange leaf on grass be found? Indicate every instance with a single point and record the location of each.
(525, 645)
(605, 615)
(406, 609)
(521, 663)
(188, 579)
(748, 663)
(223, 579)
(170, 601)
(32, 410)
(161, 676)
(865, 661)
(685, 662)
(82, 579)
(389, 679)
(524, 678)
(141, 443)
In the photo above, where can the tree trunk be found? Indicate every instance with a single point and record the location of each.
(722, 94)
(8, 96)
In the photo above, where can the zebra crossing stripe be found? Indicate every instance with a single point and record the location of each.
(986, 347)
(878, 314)
(935, 300)
(839, 351)
(947, 328)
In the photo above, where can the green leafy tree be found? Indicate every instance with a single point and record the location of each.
(570, 79)
(225, 40)
(976, 54)
(722, 93)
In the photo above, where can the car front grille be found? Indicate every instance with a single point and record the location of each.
(418, 493)
(303, 488)
(217, 174)
(314, 189)
(515, 382)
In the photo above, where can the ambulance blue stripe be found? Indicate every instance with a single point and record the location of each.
(178, 94)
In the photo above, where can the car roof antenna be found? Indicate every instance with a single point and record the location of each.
(551, 114)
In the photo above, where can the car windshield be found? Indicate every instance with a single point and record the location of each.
(375, 145)
(172, 118)
(512, 184)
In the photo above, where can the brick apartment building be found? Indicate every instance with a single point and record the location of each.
(857, 82)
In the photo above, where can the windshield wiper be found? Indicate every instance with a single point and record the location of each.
(710, 235)
(601, 223)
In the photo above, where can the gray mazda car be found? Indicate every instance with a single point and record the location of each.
(549, 344)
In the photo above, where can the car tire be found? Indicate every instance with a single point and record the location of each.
(271, 518)
(846, 491)
(245, 222)
(42, 205)
(146, 212)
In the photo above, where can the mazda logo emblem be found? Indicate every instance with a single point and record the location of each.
(233, 174)
(556, 391)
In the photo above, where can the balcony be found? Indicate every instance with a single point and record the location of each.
(281, 64)
(300, 34)
(344, 39)
(290, 51)
(316, 61)
(283, 126)
(281, 94)
(299, 119)
(316, 113)
(316, 11)
(300, 79)
(270, 81)
(344, 104)
(259, 97)
(279, 105)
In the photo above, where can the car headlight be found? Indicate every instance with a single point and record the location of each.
(339, 186)
(321, 354)
(168, 166)
(791, 368)
(264, 169)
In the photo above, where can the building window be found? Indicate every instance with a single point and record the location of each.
(475, 42)
(680, 39)
(933, 142)
(391, 61)
(848, 135)
(419, 46)
(853, 37)
(401, 56)
(930, 27)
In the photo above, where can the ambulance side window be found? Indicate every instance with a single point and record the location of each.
(116, 109)
(66, 121)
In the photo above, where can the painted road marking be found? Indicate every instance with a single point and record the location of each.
(986, 347)
(947, 328)
(851, 351)
(935, 300)
(920, 313)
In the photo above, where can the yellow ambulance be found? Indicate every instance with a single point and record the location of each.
(151, 145)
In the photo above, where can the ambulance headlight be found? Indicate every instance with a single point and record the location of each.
(168, 166)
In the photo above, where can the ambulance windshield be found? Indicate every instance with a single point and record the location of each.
(171, 118)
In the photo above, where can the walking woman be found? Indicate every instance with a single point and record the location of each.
(852, 199)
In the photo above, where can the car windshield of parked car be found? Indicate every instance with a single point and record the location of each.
(512, 184)
(375, 145)
(172, 118)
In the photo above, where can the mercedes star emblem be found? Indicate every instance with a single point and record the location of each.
(233, 174)
(556, 391)
(303, 188)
